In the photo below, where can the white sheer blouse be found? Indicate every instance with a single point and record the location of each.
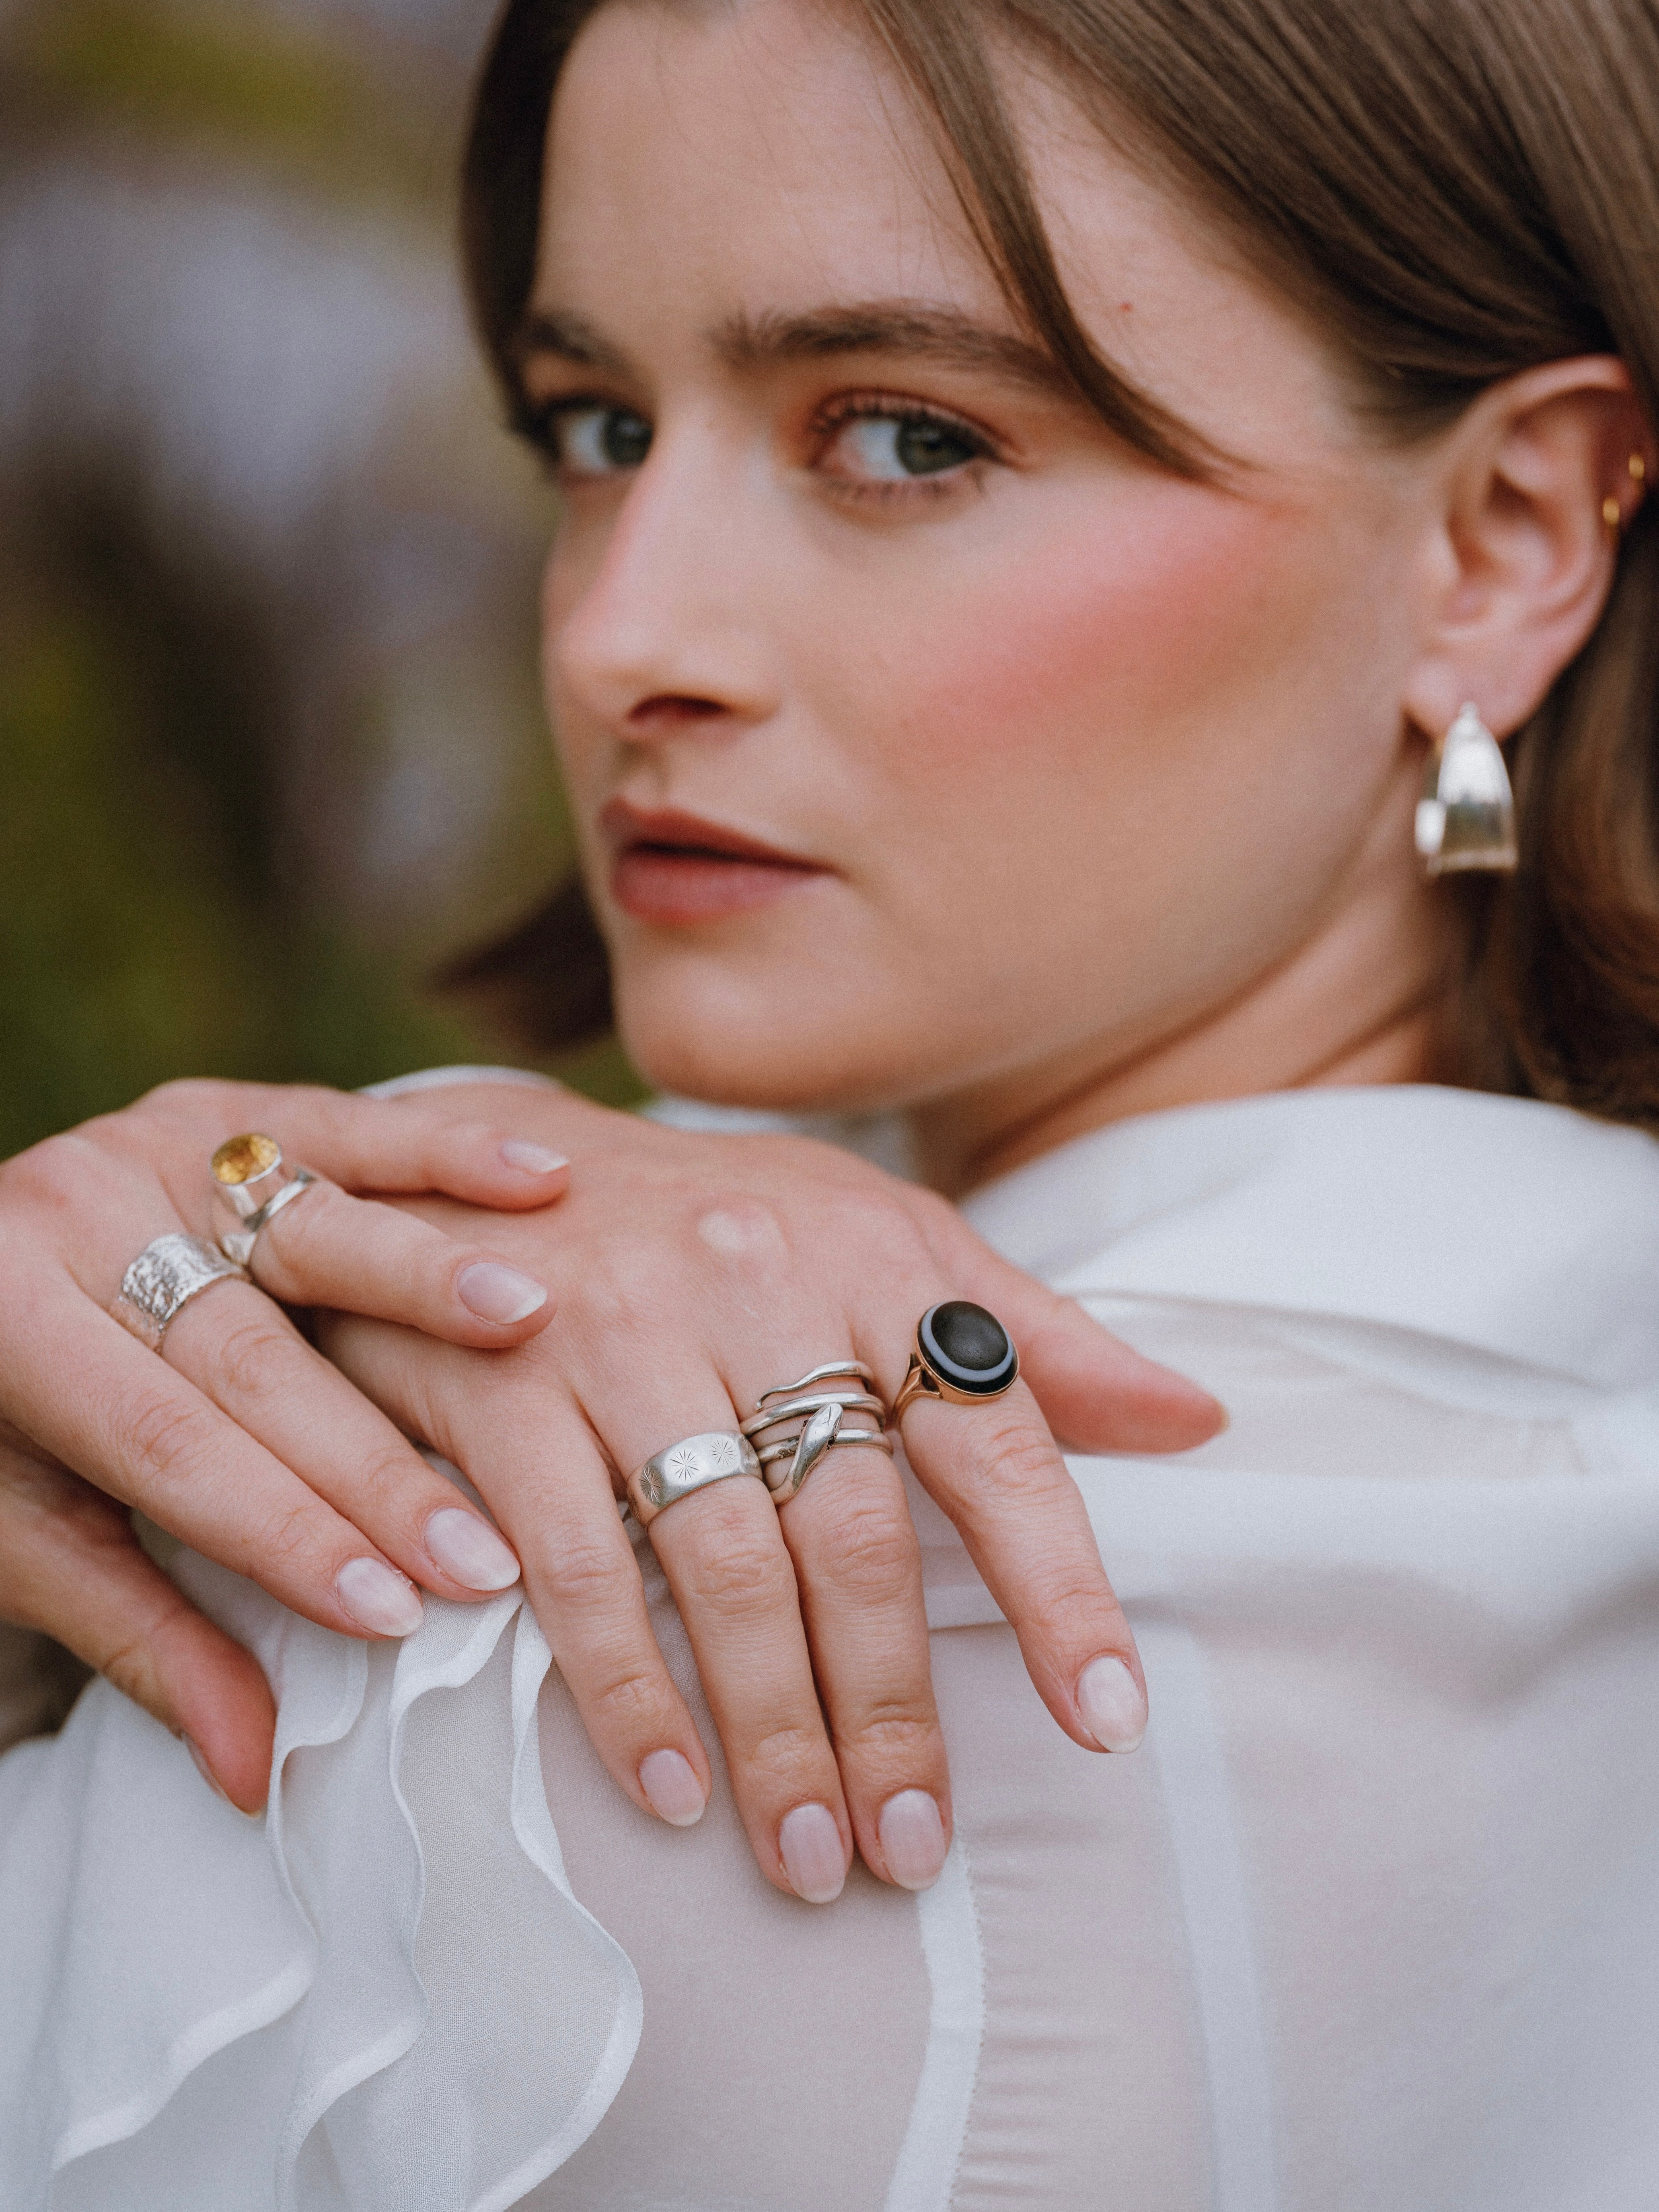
(1371, 1924)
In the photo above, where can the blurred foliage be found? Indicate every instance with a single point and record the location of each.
(146, 929)
(195, 72)
(156, 916)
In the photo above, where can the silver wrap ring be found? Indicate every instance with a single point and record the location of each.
(817, 1422)
(162, 1281)
(251, 1187)
(691, 1465)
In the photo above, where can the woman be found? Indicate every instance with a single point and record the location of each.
(1039, 485)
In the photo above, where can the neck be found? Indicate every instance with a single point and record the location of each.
(1361, 1002)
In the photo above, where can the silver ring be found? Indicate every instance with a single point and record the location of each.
(817, 1422)
(250, 1184)
(849, 1368)
(164, 1278)
(851, 1402)
(692, 1464)
(823, 1434)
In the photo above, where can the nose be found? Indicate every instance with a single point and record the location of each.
(667, 632)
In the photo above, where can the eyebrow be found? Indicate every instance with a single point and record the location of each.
(908, 329)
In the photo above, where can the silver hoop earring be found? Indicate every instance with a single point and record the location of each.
(1465, 817)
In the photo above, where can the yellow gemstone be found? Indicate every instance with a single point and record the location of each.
(239, 1159)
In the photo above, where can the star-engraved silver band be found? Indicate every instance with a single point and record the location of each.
(164, 1278)
(692, 1464)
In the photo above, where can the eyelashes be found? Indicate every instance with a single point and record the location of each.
(861, 446)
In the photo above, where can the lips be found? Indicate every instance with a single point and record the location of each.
(675, 870)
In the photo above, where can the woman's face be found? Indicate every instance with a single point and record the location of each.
(929, 747)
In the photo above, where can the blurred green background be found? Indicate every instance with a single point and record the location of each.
(270, 740)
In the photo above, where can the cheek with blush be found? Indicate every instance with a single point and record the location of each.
(1080, 673)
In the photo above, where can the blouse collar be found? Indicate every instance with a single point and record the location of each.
(1522, 1229)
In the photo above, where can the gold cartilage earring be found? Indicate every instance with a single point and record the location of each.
(1465, 817)
(1613, 511)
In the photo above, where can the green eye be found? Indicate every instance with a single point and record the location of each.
(891, 448)
(599, 442)
(923, 448)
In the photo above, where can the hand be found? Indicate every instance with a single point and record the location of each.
(691, 1272)
(240, 1438)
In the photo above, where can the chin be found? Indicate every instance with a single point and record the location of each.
(735, 1044)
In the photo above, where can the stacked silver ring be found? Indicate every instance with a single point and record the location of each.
(816, 1422)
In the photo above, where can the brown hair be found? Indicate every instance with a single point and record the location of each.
(1455, 191)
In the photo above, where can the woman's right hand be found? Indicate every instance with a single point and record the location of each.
(240, 1438)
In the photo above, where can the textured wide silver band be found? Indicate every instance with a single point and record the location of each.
(237, 1244)
(164, 1278)
(692, 1464)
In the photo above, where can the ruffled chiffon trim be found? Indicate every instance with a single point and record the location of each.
(384, 1996)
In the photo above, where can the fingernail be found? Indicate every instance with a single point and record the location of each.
(912, 1838)
(469, 1550)
(671, 1788)
(205, 1771)
(809, 1845)
(498, 1293)
(1113, 1703)
(379, 1598)
(531, 1159)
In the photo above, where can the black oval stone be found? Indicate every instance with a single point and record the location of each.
(968, 1346)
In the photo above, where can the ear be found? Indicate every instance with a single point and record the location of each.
(1523, 555)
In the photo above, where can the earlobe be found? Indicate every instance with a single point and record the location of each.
(1539, 480)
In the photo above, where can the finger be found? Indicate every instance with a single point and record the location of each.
(104, 1406)
(328, 1249)
(70, 1564)
(858, 1567)
(243, 1353)
(1095, 1391)
(730, 1573)
(365, 1144)
(999, 1475)
(533, 1459)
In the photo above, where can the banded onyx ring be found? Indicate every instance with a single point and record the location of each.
(692, 1464)
(963, 1355)
(251, 1187)
(167, 1275)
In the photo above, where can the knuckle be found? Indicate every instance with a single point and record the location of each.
(869, 1551)
(781, 1754)
(161, 1439)
(630, 1703)
(1023, 1461)
(738, 1571)
(132, 1668)
(283, 1542)
(389, 1471)
(895, 1732)
(253, 1359)
(581, 1575)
